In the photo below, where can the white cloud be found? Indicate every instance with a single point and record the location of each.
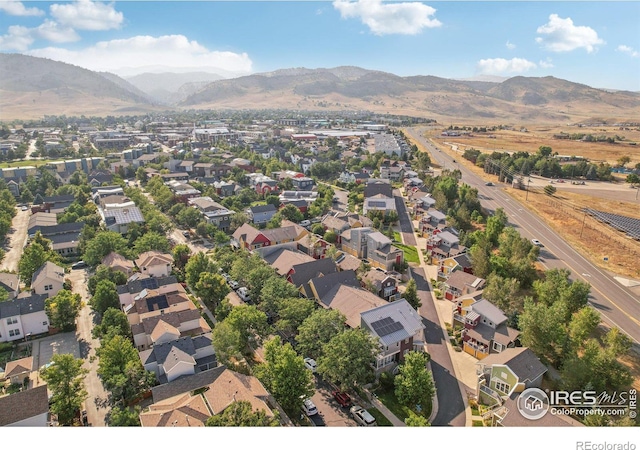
(390, 18)
(510, 46)
(52, 32)
(497, 66)
(148, 51)
(561, 35)
(87, 15)
(18, 38)
(628, 50)
(18, 9)
(547, 64)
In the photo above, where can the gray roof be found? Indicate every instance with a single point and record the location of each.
(521, 360)
(186, 384)
(325, 284)
(24, 405)
(393, 322)
(124, 215)
(159, 352)
(459, 279)
(48, 270)
(489, 311)
(263, 208)
(306, 271)
(10, 281)
(48, 231)
(137, 285)
(22, 306)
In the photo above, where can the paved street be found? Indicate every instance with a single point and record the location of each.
(17, 239)
(97, 395)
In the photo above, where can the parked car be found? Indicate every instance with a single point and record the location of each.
(310, 364)
(24, 208)
(83, 418)
(342, 398)
(79, 265)
(186, 234)
(488, 183)
(244, 295)
(537, 243)
(309, 407)
(233, 284)
(362, 416)
(305, 223)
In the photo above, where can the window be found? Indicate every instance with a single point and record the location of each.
(14, 332)
(497, 347)
(45, 323)
(12, 320)
(502, 387)
(48, 287)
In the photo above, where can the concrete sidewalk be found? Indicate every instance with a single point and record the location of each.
(384, 410)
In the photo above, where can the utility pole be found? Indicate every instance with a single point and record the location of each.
(526, 199)
(583, 219)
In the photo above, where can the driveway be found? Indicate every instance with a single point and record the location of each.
(406, 225)
(330, 412)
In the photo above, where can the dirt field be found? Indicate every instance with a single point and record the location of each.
(536, 136)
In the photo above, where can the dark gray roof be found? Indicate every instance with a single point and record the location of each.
(521, 360)
(376, 188)
(325, 284)
(262, 208)
(136, 286)
(59, 198)
(312, 269)
(24, 405)
(22, 306)
(160, 352)
(61, 228)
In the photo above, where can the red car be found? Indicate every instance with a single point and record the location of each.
(342, 398)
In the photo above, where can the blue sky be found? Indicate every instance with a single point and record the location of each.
(595, 43)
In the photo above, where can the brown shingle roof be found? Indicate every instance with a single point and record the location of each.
(24, 405)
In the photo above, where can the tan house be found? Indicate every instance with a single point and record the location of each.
(17, 371)
(48, 279)
(155, 264)
(118, 262)
(190, 401)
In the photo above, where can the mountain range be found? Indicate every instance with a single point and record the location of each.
(31, 87)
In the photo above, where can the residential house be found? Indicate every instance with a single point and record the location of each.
(10, 282)
(283, 259)
(354, 241)
(249, 238)
(379, 203)
(40, 220)
(28, 408)
(64, 237)
(301, 273)
(447, 266)
(138, 283)
(485, 329)
(313, 246)
(399, 329)
(225, 188)
(432, 219)
(57, 203)
(381, 284)
(23, 316)
(303, 183)
(460, 283)
(120, 219)
(380, 252)
(443, 245)
(190, 401)
(261, 214)
(48, 279)
(155, 264)
(350, 301)
(391, 172)
(213, 212)
(118, 262)
(182, 357)
(182, 192)
(17, 371)
(319, 287)
(377, 186)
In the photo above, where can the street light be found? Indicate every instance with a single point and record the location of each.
(527, 196)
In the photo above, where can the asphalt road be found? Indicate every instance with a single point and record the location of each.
(17, 238)
(617, 305)
(406, 226)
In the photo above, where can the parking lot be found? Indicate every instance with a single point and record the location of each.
(61, 343)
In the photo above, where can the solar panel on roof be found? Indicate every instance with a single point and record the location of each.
(386, 326)
(149, 283)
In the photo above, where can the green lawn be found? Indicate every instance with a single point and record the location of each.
(410, 252)
(478, 423)
(388, 398)
(397, 237)
(381, 420)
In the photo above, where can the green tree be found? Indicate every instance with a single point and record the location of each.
(348, 358)
(189, 217)
(104, 243)
(414, 420)
(292, 312)
(624, 160)
(285, 375)
(632, 178)
(121, 371)
(502, 292)
(65, 381)
(330, 236)
(549, 190)
(33, 257)
(114, 321)
(318, 329)
(227, 342)
(105, 273)
(151, 241)
(317, 229)
(249, 321)
(274, 290)
(557, 287)
(414, 383)
(62, 309)
(211, 288)
(292, 213)
(241, 414)
(411, 295)
(198, 264)
(106, 297)
(256, 278)
(122, 416)
(181, 254)
(544, 329)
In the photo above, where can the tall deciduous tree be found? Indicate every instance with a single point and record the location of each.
(292, 312)
(318, 329)
(414, 383)
(211, 288)
(274, 290)
(33, 257)
(104, 243)
(348, 358)
(284, 375)
(249, 321)
(198, 264)
(114, 321)
(62, 309)
(105, 297)
(241, 414)
(411, 295)
(65, 380)
(151, 241)
(121, 371)
(544, 329)
(227, 342)
(122, 416)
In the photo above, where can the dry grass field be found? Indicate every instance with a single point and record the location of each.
(539, 135)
